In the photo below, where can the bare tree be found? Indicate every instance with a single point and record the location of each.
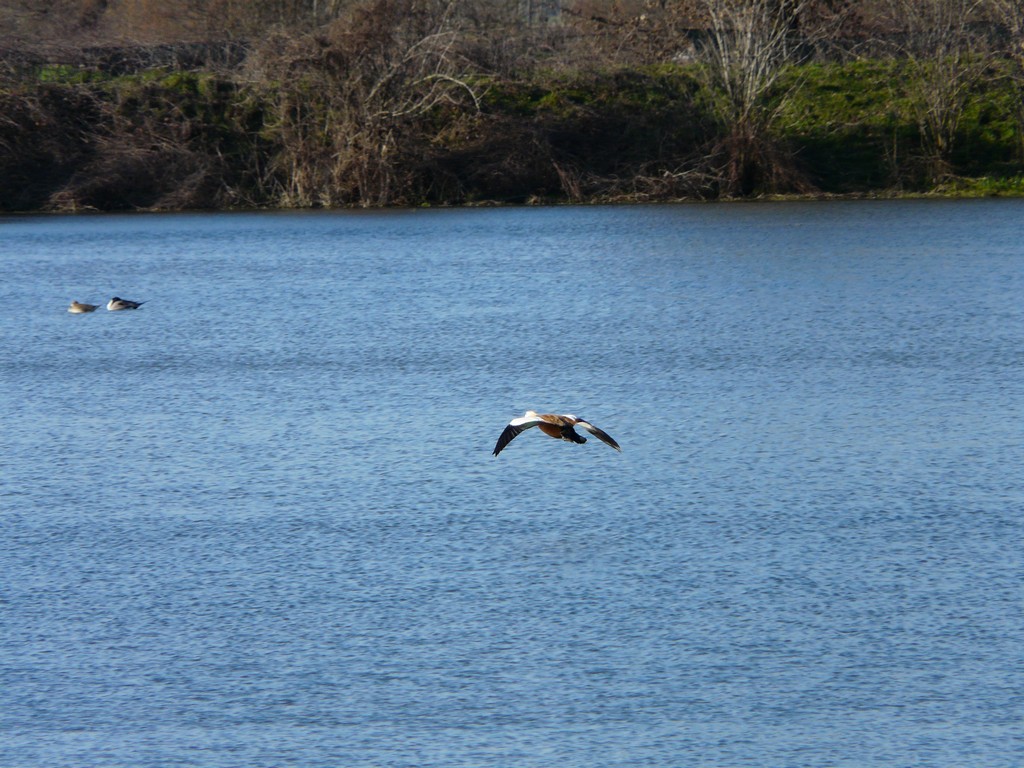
(748, 44)
(352, 103)
(1010, 13)
(945, 61)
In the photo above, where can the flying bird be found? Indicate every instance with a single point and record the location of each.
(555, 425)
(78, 308)
(117, 303)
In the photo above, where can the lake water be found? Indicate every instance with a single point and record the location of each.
(257, 522)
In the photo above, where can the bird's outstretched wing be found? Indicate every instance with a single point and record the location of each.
(598, 433)
(513, 428)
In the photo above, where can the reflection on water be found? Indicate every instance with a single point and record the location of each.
(257, 521)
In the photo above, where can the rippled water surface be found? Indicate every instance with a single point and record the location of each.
(257, 522)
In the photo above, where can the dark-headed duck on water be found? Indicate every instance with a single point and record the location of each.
(117, 303)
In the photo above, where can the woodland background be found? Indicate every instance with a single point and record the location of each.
(211, 104)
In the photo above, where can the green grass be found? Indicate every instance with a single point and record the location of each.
(67, 74)
(855, 126)
(983, 186)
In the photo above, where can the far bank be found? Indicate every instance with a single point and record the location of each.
(307, 136)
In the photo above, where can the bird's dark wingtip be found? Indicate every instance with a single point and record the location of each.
(506, 437)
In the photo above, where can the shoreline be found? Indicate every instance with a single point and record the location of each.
(766, 199)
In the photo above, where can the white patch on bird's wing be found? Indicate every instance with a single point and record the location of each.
(525, 421)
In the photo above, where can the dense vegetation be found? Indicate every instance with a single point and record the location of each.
(392, 102)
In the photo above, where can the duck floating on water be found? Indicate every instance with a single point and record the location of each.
(117, 303)
(80, 308)
(559, 426)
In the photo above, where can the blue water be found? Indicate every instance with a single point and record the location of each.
(257, 522)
